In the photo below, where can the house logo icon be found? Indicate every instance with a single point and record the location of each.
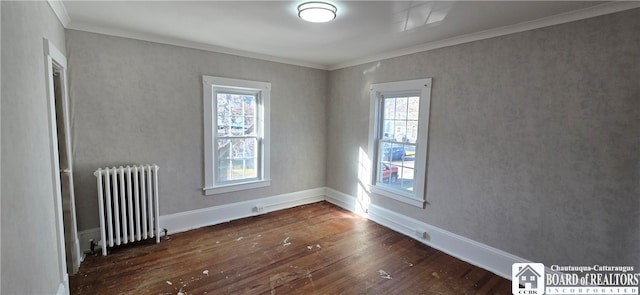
(527, 278)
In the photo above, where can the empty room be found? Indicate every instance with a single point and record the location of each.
(320, 147)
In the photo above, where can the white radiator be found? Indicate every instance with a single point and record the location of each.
(128, 204)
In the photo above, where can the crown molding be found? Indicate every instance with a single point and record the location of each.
(598, 10)
(60, 11)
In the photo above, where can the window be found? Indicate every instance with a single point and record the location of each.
(236, 133)
(399, 126)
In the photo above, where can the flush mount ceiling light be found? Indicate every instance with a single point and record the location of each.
(317, 12)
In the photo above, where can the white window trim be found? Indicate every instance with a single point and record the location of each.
(422, 86)
(208, 84)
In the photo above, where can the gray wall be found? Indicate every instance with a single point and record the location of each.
(29, 253)
(534, 139)
(141, 102)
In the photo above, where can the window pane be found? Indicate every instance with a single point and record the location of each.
(223, 104)
(392, 152)
(414, 108)
(401, 108)
(388, 128)
(241, 169)
(224, 148)
(400, 119)
(409, 152)
(397, 148)
(389, 108)
(401, 131)
(237, 125)
(243, 148)
(249, 125)
(249, 105)
(223, 159)
(236, 156)
(223, 125)
(237, 159)
(388, 175)
(235, 104)
(406, 178)
(412, 131)
(223, 171)
(396, 176)
(236, 114)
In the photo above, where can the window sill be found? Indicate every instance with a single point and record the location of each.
(398, 196)
(236, 187)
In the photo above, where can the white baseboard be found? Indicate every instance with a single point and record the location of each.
(187, 220)
(481, 255)
(63, 287)
(61, 290)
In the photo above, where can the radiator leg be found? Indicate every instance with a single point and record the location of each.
(93, 246)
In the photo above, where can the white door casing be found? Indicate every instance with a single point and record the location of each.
(61, 160)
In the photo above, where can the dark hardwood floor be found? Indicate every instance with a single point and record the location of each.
(312, 249)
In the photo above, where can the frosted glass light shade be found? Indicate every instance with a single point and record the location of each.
(317, 12)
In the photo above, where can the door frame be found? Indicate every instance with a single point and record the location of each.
(55, 61)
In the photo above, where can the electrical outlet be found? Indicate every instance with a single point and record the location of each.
(422, 234)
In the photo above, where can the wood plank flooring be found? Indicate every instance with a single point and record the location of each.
(312, 249)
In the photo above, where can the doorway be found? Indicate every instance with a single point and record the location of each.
(69, 254)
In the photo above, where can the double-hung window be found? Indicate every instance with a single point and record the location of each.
(398, 137)
(236, 134)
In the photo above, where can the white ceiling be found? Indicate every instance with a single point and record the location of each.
(363, 30)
